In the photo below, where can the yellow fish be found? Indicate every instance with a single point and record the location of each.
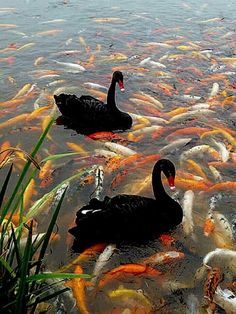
(22, 91)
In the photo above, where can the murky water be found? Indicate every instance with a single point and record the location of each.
(191, 50)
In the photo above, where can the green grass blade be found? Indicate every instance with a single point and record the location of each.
(58, 156)
(14, 249)
(7, 266)
(4, 187)
(23, 273)
(46, 276)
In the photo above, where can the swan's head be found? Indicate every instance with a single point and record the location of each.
(118, 77)
(168, 169)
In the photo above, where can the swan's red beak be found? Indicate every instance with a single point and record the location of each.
(121, 85)
(171, 181)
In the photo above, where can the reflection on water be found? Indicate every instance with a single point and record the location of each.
(178, 61)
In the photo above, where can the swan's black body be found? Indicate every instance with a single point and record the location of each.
(129, 217)
(87, 114)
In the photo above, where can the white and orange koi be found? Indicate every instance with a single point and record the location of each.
(163, 258)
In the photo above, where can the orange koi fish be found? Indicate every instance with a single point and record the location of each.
(45, 172)
(77, 148)
(191, 184)
(176, 112)
(36, 113)
(127, 269)
(186, 131)
(14, 120)
(227, 185)
(166, 88)
(85, 255)
(78, 288)
(6, 145)
(104, 135)
(29, 192)
(96, 93)
(14, 102)
(120, 177)
(228, 136)
(209, 226)
(192, 165)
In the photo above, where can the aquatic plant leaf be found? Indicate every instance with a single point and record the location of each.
(24, 272)
(58, 156)
(4, 187)
(45, 276)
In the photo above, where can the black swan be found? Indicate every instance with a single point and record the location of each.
(87, 114)
(129, 217)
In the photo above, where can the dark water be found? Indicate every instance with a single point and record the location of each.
(190, 39)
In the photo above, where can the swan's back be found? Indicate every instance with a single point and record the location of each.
(125, 217)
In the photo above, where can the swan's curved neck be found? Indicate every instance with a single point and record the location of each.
(158, 189)
(111, 94)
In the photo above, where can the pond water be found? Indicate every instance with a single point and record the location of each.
(178, 59)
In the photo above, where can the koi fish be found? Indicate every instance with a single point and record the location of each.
(51, 32)
(163, 258)
(77, 148)
(4, 147)
(214, 277)
(224, 153)
(29, 192)
(96, 86)
(84, 256)
(38, 61)
(134, 298)
(220, 257)
(191, 184)
(222, 233)
(199, 150)
(14, 120)
(226, 299)
(187, 205)
(127, 269)
(102, 261)
(186, 131)
(175, 145)
(192, 113)
(36, 113)
(26, 46)
(8, 25)
(108, 20)
(99, 177)
(228, 136)
(78, 288)
(192, 165)
(119, 149)
(71, 67)
(227, 185)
